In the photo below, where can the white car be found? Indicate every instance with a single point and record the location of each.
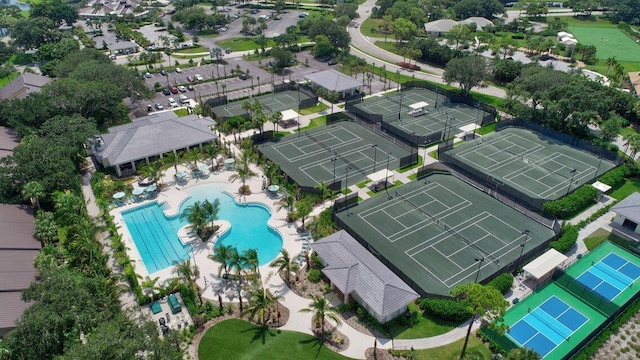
(172, 102)
(182, 88)
(184, 99)
(178, 70)
(199, 77)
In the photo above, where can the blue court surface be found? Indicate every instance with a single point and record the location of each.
(610, 276)
(547, 326)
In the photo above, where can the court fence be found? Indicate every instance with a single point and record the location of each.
(345, 202)
(387, 122)
(491, 184)
(585, 294)
(490, 189)
(567, 139)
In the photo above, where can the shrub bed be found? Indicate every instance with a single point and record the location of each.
(572, 204)
(502, 283)
(445, 309)
(567, 240)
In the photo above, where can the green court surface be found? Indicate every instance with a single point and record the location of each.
(432, 230)
(270, 103)
(610, 42)
(343, 151)
(597, 255)
(439, 114)
(520, 312)
(532, 163)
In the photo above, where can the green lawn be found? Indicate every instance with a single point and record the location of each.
(487, 129)
(475, 350)
(181, 112)
(370, 26)
(243, 44)
(5, 80)
(313, 109)
(237, 339)
(628, 188)
(426, 326)
(628, 131)
(194, 50)
(610, 42)
(316, 122)
(596, 238)
(21, 59)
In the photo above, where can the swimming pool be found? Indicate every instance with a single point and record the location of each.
(156, 235)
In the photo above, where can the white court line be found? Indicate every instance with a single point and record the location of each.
(308, 142)
(320, 163)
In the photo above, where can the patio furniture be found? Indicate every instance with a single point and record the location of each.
(174, 304)
(155, 307)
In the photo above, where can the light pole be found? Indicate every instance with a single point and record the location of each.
(346, 180)
(526, 237)
(598, 168)
(573, 173)
(374, 156)
(479, 261)
(334, 172)
(277, 314)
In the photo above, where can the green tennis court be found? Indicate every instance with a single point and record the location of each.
(534, 164)
(610, 42)
(439, 113)
(551, 321)
(433, 230)
(270, 102)
(343, 151)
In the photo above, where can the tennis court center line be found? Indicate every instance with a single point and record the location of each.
(306, 169)
(307, 143)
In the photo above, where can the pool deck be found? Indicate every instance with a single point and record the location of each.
(173, 194)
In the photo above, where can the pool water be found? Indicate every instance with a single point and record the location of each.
(156, 235)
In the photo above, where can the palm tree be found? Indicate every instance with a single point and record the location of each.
(68, 207)
(610, 63)
(243, 173)
(212, 150)
(194, 155)
(46, 229)
(250, 257)
(152, 170)
(187, 274)
(321, 309)
(323, 189)
(33, 191)
(275, 119)
(223, 254)
(633, 142)
(196, 216)
(211, 211)
(284, 263)
(303, 209)
(149, 284)
(172, 159)
(260, 303)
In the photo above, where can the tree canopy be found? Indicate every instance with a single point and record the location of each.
(468, 72)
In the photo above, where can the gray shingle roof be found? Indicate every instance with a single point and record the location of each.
(12, 307)
(16, 227)
(121, 45)
(152, 135)
(351, 268)
(333, 80)
(629, 207)
(23, 85)
(442, 25)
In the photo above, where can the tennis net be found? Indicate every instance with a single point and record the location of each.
(562, 331)
(319, 142)
(448, 228)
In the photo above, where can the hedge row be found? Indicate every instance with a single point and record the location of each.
(572, 204)
(446, 309)
(615, 177)
(502, 283)
(567, 240)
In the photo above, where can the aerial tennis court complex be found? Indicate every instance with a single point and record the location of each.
(419, 115)
(337, 153)
(531, 163)
(432, 231)
(559, 318)
(271, 103)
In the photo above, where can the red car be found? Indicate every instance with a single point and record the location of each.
(190, 78)
(174, 90)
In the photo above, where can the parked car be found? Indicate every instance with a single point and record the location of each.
(182, 88)
(159, 106)
(163, 73)
(172, 102)
(148, 75)
(254, 11)
(243, 77)
(223, 29)
(166, 92)
(332, 62)
(174, 90)
(149, 107)
(199, 77)
(178, 70)
(184, 99)
(190, 78)
(228, 50)
(190, 87)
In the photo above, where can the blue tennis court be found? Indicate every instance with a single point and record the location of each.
(610, 276)
(547, 326)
